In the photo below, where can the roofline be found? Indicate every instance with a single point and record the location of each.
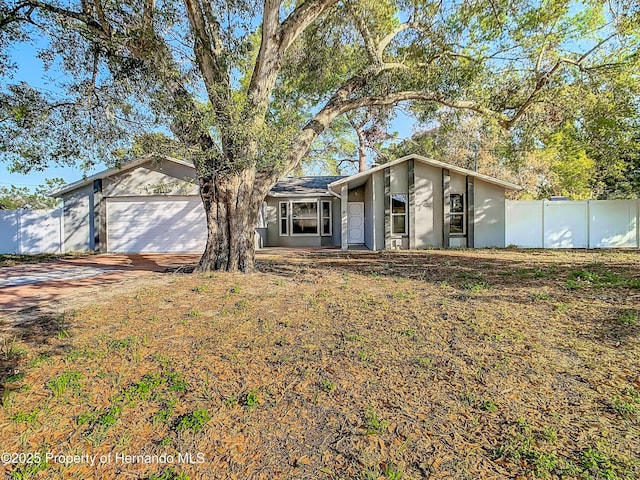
(112, 171)
(428, 161)
(326, 193)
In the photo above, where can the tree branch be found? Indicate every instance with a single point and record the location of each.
(276, 39)
(384, 43)
(208, 54)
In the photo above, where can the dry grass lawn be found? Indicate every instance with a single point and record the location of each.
(438, 364)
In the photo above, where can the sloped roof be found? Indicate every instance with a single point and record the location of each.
(303, 186)
(334, 187)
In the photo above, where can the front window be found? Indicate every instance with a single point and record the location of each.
(399, 213)
(304, 218)
(325, 217)
(457, 214)
(283, 218)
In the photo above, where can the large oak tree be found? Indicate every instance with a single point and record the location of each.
(245, 87)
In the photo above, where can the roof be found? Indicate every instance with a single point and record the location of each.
(112, 171)
(296, 186)
(303, 186)
(334, 187)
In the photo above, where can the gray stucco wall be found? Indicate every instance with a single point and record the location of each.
(152, 178)
(368, 214)
(489, 215)
(378, 200)
(78, 221)
(428, 208)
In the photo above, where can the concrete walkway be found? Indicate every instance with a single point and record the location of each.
(26, 286)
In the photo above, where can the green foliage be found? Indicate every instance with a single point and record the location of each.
(251, 400)
(375, 425)
(194, 421)
(65, 381)
(14, 198)
(170, 474)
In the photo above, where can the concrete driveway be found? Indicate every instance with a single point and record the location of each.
(27, 286)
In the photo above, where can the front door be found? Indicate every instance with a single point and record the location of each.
(355, 222)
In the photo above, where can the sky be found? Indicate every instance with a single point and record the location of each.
(31, 69)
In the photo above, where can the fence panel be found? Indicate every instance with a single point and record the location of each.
(40, 231)
(31, 231)
(573, 224)
(565, 224)
(524, 224)
(9, 227)
(613, 223)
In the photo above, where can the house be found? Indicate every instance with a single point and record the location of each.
(152, 205)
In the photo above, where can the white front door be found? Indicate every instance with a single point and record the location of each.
(355, 222)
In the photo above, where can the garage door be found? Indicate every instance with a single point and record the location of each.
(156, 224)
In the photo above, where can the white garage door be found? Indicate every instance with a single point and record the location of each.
(156, 224)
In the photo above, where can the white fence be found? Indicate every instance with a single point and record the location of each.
(31, 231)
(529, 224)
(573, 224)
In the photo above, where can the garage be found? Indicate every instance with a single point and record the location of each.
(150, 205)
(156, 224)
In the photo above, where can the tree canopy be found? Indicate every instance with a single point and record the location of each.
(246, 87)
(15, 197)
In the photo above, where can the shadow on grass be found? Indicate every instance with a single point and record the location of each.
(31, 328)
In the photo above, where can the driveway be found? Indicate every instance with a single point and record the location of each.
(27, 286)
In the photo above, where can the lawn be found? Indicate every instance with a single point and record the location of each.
(438, 364)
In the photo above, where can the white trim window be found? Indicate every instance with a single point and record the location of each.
(457, 215)
(304, 218)
(325, 217)
(399, 212)
(283, 218)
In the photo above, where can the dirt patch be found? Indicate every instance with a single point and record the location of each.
(442, 364)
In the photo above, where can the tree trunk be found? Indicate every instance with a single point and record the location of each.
(232, 206)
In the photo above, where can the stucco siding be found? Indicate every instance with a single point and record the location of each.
(78, 219)
(428, 207)
(378, 205)
(489, 221)
(368, 215)
(152, 178)
(458, 183)
(399, 182)
(334, 239)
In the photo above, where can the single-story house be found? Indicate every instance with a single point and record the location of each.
(152, 205)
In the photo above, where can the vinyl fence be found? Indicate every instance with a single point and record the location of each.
(31, 231)
(573, 224)
(529, 224)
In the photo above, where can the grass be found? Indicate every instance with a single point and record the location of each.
(427, 365)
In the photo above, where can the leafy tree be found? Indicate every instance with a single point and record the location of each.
(246, 87)
(14, 198)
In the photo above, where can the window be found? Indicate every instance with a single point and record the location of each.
(457, 214)
(304, 218)
(399, 213)
(325, 217)
(283, 218)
